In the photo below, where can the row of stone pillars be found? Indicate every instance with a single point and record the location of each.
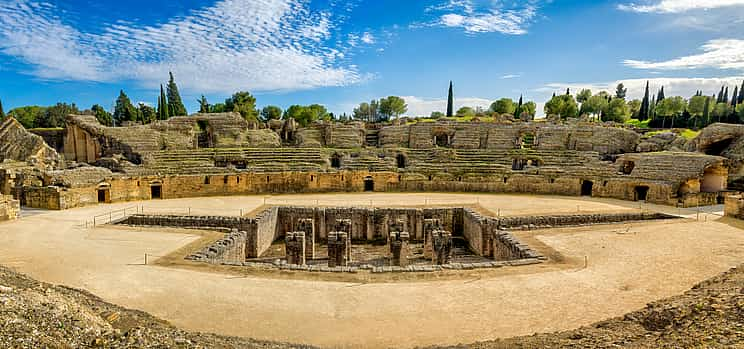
(300, 245)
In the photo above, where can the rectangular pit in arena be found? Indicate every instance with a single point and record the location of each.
(379, 239)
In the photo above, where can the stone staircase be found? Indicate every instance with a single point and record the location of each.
(372, 138)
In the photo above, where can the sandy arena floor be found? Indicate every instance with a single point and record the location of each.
(628, 266)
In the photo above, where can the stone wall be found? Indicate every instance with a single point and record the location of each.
(228, 250)
(734, 206)
(10, 209)
(17, 144)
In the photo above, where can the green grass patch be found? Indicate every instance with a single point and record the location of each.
(689, 134)
(638, 123)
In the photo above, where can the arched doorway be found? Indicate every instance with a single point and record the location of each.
(104, 193)
(587, 187)
(442, 140)
(336, 161)
(369, 184)
(641, 193)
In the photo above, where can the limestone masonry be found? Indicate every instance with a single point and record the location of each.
(222, 154)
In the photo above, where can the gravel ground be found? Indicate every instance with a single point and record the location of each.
(710, 315)
(39, 315)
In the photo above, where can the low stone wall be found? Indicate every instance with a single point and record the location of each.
(9, 208)
(192, 222)
(734, 206)
(229, 249)
(540, 222)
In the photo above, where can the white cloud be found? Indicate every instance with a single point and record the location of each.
(720, 54)
(495, 18)
(258, 45)
(678, 6)
(422, 107)
(368, 38)
(511, 76)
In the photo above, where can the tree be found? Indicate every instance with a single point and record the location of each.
(271, 112)
(218, 108)
(2, 113)
(696, 106)
(363, 112)
(146, 114)
(671, 108)
(616, 110)
(465, 112)
(393, 106)
(735, 97)
(518, 111)
(706, 110)
(660, 97)
(643, 114)
(56, 115)
(725, 96)
(529, 109)
(634, 107)
(436, 115)
(721, 111)
(594, 105)
(504, 106)
(304, 115)
(374, 110)
(564, 105)
(27, 115)
(741, 93)
(621, 91)
(102, 115)
(163, 112)
(720, 96)
(244, 103)
(450, 101)
(175, 105)
(124, 110)
(583, 95)
(203, 105)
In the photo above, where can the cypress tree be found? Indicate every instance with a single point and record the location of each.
(720, 96)
(163, 113)
(643, 113)
(735, 97)
(518, 111)
(660, 97)
(450, 102)
(175, 105)
(741, 93)
(725, 96)
(652, 108)
(568, 92)
(706, 112)
(2, 112)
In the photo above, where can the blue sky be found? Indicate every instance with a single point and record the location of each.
(339, 53)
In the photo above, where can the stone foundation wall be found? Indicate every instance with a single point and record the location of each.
(265, 233)
(734, 206)
(228, 250)
(192, 222)
(9, 208)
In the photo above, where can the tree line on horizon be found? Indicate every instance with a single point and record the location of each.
(653, 110)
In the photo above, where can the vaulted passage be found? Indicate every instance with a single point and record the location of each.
(641, 193)
(587, 188)
(369, 184)
(718, 147)
(156, 192)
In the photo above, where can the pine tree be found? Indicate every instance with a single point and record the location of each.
(450, 102)
(643, 113)
(203, 104)
(621, 91)
(124, 110)
(568, 92)
(2, 112)
(163, 113)
(660, 96)
(175, 105)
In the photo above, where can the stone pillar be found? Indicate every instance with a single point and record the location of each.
(295, 248)
(339, 249)
(399, 248)
(430, 225)
(442, 246)
(308, 226)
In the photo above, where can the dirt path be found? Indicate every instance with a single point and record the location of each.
(627, 268)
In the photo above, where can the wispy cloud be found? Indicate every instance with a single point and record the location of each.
(368, 38)
(496, 17)
(511, 76)
(720, 54)
(258, 45)
(678, 6)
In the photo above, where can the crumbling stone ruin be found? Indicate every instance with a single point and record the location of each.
(339, 249)
(222, 154)
(488, 240)
(9, 208)
(295, 247)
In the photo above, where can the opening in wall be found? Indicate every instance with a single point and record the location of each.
(369, 184)
(156, 192)
(586, 188)
(103, 196)
(336, 161)
(641, 193)
(627, 167)
(400, 159)
(206, 180)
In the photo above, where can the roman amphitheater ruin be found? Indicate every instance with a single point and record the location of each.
(352, 234)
